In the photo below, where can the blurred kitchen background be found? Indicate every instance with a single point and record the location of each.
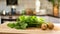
(11, 9)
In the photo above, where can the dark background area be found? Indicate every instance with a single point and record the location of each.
(12, 2)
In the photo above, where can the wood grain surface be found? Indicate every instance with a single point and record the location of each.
(5, 29)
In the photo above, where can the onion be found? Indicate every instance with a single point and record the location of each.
(44, 26)
(50, 25)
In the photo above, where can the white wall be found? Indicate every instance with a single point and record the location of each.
(3, 6)
(22, 4)
(45, 4)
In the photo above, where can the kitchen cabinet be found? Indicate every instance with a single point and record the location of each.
(8, 18)
(55, 11)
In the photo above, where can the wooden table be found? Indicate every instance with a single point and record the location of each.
(4, 29)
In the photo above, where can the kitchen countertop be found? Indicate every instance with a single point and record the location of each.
(30, 15)
(5, 29)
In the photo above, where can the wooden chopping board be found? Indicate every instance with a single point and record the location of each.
(5, 29)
